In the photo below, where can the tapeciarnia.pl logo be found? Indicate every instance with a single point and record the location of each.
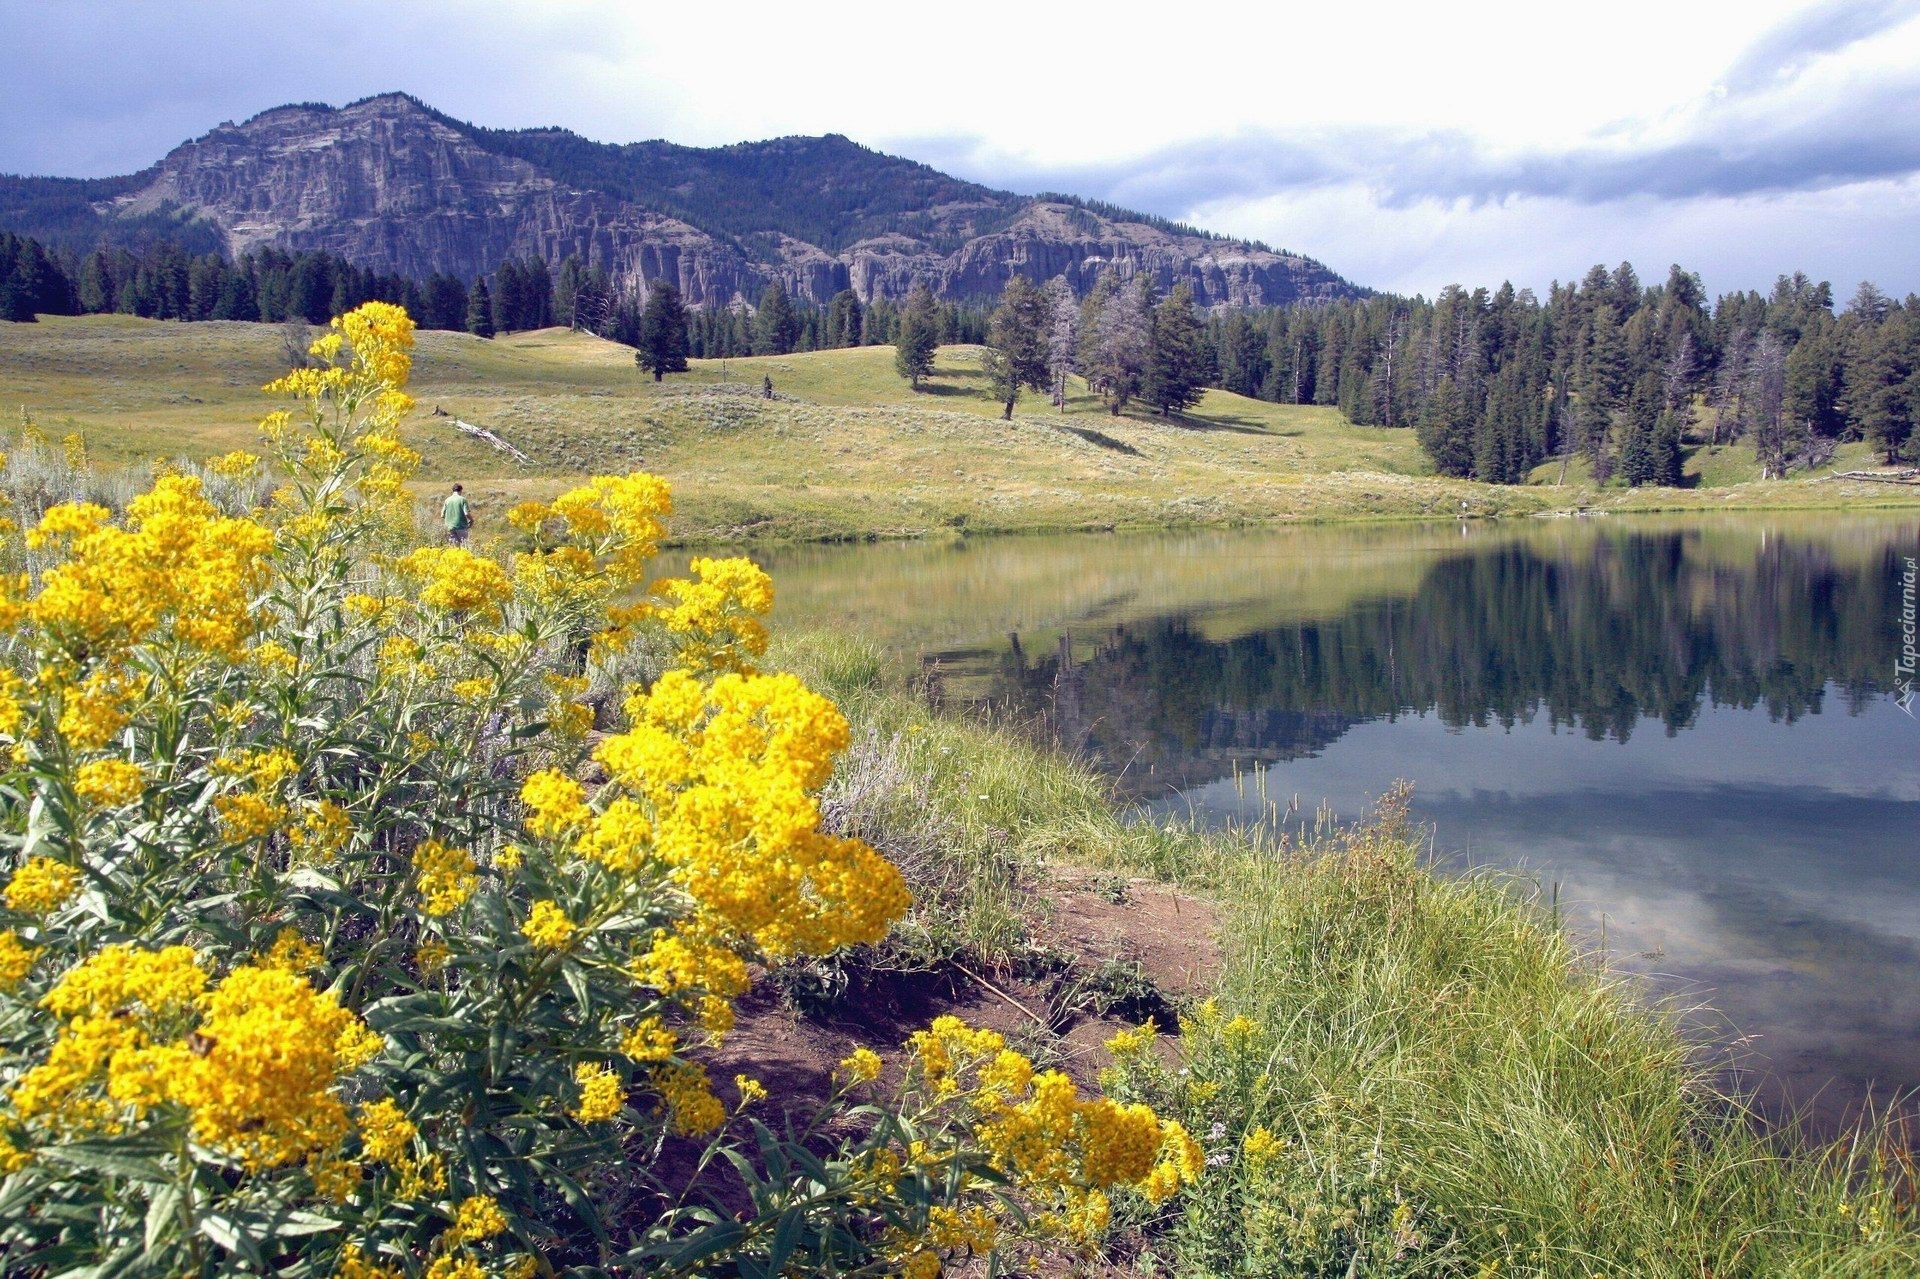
(1903, 665)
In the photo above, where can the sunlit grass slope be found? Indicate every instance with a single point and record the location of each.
(846, 449)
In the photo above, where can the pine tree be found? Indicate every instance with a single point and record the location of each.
(1766, 394)
(566, 291)
(310, 295)
(1175, 376)
(1063, 337)
(918, 337)
(1118, 336)
(237, 300)
(663, 332)
(1640, 461)
(536, 283)
(96, 283)
(775, 328)
(1017, 348)
(480, 310)
(844, 319)
(1889, 396)
(1446, 429)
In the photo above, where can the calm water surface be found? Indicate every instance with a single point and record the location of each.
(1687, 726)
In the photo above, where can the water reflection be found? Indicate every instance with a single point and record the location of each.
(1684, 724)
(1630, 629)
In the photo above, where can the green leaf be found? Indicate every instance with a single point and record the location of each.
(161, 1212)
(683, 1255)
(785, 1236)
(227, 1233)
(114, 1160)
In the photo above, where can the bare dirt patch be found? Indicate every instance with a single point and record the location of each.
(1108, 952)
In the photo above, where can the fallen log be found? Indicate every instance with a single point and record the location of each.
(482, 433)
(1878, 477)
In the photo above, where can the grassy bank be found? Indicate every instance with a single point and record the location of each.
(846, 450)
(1403, 1074)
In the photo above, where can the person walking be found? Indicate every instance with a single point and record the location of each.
(457, 516)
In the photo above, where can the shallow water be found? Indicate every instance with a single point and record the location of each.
(1686, 728)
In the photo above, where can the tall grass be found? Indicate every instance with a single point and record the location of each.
(1458, 1090)
(1442, 1045)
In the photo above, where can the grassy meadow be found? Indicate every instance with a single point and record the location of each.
(846, 449)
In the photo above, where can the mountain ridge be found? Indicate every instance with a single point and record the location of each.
(393, 184)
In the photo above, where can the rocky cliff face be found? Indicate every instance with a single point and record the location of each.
(392, 185)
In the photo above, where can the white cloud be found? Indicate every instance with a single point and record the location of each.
(1317, 105)
(1844, 234)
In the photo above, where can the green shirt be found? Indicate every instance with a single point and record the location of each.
(455, 512)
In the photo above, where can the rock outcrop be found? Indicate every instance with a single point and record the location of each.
(392, 185)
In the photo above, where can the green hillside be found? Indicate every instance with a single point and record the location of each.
(845, 448)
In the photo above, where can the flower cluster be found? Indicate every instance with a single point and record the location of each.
(319, 954)
(1062, 1149)
(254, 1060)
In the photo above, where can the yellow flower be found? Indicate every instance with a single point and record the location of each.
(447, 876)
(861, 1066)
(323, 831)
(650, 1040)
(558, 803)
(1261, 1147)
(478, 1217)
(353, 1264)
(273, 658)
(692, 1109)
(41, 885)
(12, 1158)
(109, 782)
(972, 1229)
(275, 1049)
(455, 580)
(751, 1090)
(16, 959)
(1133, 1040)
(716, 618)
(455, 1266)
(237, 465)
(430, 956)
(472, 691)
(333, 1179)
(248, 816)
(602, 1096)
(528, 516)
(386, 1134)
(723, 781)
(547, 926)
(292, 953)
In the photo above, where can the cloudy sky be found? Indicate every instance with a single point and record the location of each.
(1406, 145)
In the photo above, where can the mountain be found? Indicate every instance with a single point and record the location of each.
(395, 186)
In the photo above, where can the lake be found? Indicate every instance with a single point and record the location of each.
(1687, 728)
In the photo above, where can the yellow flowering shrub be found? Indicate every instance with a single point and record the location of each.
(318, 957)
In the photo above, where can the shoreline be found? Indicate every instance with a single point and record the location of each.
(1443, 1037)
(853, 536)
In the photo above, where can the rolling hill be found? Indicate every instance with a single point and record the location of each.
(844, 450)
